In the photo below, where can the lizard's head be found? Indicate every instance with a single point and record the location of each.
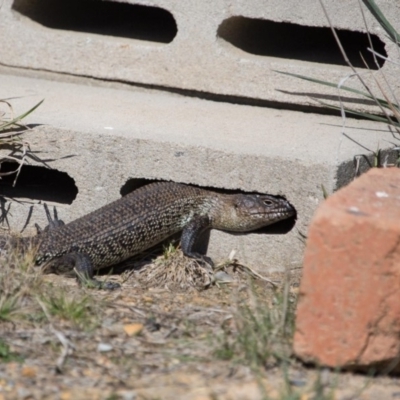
(249, 212)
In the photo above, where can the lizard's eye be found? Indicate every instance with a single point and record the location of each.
(268, 203)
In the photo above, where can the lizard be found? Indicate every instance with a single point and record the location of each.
(144, 218)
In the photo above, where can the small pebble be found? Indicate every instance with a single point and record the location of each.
(104, 347)
(223, 277)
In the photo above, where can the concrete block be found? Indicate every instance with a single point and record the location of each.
(348, 314)
(223, 48)
(105, 136)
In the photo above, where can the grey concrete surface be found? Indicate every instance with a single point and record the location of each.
(116, 134)
(199, 58)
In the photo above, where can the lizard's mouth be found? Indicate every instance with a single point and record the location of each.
(283, 212)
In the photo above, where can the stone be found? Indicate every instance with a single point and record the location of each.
(348, 314)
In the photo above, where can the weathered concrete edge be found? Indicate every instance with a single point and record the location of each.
(119, 159)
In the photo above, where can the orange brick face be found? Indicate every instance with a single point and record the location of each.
(348, 313)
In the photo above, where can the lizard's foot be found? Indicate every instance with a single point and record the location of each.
(110, 285)
(201, 258)
(206, 261)
(92, 283)
(54, 223)
(85, 278)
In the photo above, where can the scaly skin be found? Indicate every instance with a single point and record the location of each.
(147, 216)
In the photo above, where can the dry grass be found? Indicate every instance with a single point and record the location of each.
(159, 342)
(14, 148)
(11, 136)
(174, 271)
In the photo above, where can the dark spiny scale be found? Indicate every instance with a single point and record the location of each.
(149, 215)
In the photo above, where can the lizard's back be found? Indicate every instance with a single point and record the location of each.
(127, 226)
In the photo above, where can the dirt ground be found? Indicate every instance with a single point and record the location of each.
(231, 341)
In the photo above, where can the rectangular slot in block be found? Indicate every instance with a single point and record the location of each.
(130, 21)
(305, 43)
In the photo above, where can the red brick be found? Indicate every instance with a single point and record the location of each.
(348, 314)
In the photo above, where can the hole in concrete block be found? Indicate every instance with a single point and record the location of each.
(38, 183)
(131, 21)
(280, 227)
(305, 43)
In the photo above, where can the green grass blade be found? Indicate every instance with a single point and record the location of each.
(382, 102)
(372, 117)
(326, 83)
(324, 192)
(20, 117)
(379, 16)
